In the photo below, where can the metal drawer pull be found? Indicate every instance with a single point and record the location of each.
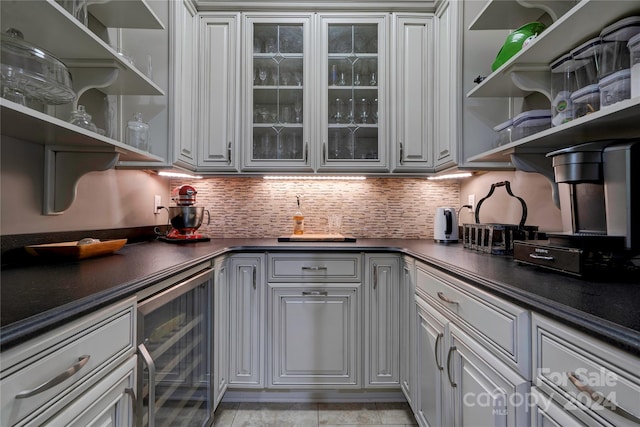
(315, 293)
(600, 399)
(543, 257)
(451, 350)
(132, 394)
(438, 338)
(82, 360)
(445, 299)
(314, 267)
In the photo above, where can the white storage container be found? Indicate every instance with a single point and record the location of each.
(615, 54)
(562, 85)
(503, 132)
(615, 87)
(634, 50)
(530, 122)
(586, 60)
(586, 100)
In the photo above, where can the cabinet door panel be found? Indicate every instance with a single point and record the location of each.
(218, 82)
(382, 329)
(315, 336)
(277, 83)
(414, 122)
(353, 77)
(246, 355)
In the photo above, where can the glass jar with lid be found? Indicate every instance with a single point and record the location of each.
(138, 132)
(80, 117)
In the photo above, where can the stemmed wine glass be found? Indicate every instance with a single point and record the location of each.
(262, 75)
(297, 108)
(364, 114)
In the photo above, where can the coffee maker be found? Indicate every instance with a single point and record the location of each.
(598, 186)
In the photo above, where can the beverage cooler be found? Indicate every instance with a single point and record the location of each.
(174, 348)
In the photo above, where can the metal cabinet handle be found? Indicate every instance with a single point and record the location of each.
(306, 152)
(132, 395)
(315, 293)
(82, 360)
(255, 269)
(314, 267)
(599, 398)
(229, 153)
(445, 299)
(401, 153)
(544, 257)
(438, 338)
(152, 382)
(324, 153)
(451, 350)
(375, 276)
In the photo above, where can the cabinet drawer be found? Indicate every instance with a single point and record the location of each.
(588, 377)
(76, 353)
(503, 326)
(315, 267)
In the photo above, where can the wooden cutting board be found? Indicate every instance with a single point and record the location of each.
(316, 238)
(71, 250)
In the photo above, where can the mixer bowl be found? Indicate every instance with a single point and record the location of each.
(187, 219)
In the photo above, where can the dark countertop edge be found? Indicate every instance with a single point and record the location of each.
(617, 335)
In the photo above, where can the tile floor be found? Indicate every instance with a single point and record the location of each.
(388, 414)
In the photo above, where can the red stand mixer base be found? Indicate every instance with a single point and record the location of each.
(174, 236)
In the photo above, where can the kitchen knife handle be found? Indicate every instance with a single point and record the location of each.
(82, 360)
(438, 338)
(142, 349)
(451, 350)
(599, 398)
(445, 299)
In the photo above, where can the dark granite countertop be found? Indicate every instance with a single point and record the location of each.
(38, 297)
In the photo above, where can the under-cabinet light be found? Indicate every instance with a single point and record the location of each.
(316, 177)
(178, 175)
(452, 176)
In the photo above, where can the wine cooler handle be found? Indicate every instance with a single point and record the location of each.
(152, 382)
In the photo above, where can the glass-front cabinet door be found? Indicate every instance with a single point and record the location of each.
(277, 97)
(353, 97)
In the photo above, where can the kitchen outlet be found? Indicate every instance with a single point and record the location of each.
(157, 202)
(472, 202)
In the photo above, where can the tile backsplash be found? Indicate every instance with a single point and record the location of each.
(373, 208)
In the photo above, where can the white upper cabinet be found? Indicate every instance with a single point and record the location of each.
(528, 72)
(277, 79)
(353, 81)
(413, 81)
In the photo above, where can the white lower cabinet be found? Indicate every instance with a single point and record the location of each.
(220, 340)
(382, 320)
(462, 377)
(547, 413)
(430, 401)
(314, 335)
(408, 350)
(247, 320)
(76, 374)
(590, 379)
(108, 403)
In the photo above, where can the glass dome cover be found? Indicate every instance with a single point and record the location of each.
(30, 72)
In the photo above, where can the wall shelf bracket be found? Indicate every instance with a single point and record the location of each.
(538, 163)
(92, 75)
(532, 78)
(554, 8)
(63, 168)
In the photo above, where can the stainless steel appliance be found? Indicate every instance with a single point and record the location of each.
(175, 352)
(445, 225)
(597, 182)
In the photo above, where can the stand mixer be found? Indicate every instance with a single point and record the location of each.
(185, 218)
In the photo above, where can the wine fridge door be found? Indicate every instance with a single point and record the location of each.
(174, 348)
